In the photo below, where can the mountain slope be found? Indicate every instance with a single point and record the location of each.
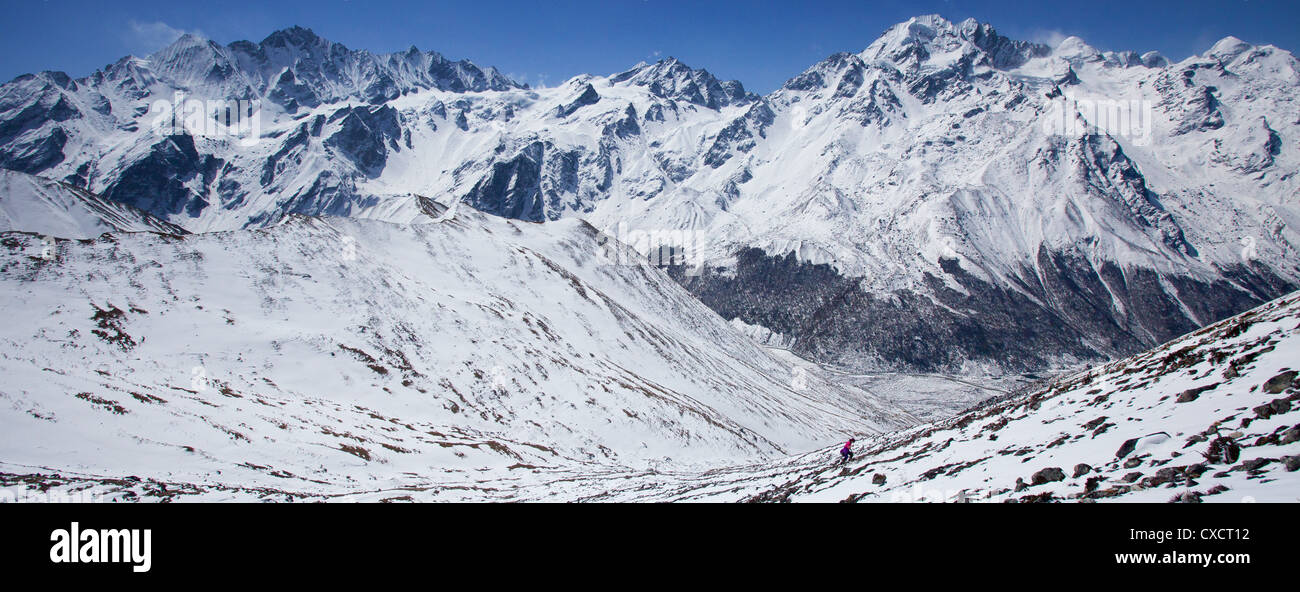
(1209, 417)
(334, 356)
(33, 204)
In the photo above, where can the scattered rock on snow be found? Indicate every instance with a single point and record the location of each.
(1190, 395)
(1141, 442)
(1280, 382)
(1048, 475)
(1274, 407)
(1253, 464)
(1081, 470)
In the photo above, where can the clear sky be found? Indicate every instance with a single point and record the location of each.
(543, 42)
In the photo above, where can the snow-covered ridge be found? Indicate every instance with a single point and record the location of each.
(33, 204)
(336, 356)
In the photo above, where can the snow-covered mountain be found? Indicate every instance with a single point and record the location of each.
(339, 355)
(946, 199)
(1209, 417)
(34, 204)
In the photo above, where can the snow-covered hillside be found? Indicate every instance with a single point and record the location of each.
(34, 204)
(1209, 417)
(337, 355)
(971, 190)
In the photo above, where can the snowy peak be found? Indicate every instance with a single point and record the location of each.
(295, 67)
(933, 40)
(1228, 48)
(673, 80)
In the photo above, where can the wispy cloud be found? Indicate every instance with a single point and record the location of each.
(145, 38)
(1049, 37)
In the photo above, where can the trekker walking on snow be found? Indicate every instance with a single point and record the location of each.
(846, 453)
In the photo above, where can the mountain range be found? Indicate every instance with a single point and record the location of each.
(294, 270)
(945, 199)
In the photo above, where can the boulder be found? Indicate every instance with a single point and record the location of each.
(1048, 475)
(1140, 443)
(1254, 464)
(1280, 382)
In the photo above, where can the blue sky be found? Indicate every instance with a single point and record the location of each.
(762, 44)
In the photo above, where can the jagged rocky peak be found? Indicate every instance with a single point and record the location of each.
(193, 62)
(925, 38)
(296, 67)
(295, 37)
(671, 79)
(827, 72)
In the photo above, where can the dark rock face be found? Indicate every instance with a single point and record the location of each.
(740, 134)
(831, 318)
(172, 179)
(29, 104)
(1081, 470)
(541, 182)
(589, 96)
(35, 155)
(1001, 52)
(287, 91)
(366, 135)
(290, 149)
(512, 188)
